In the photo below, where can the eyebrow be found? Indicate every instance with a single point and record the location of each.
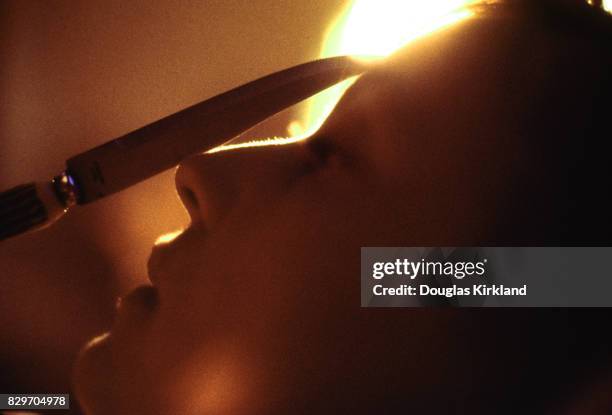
(149, 150)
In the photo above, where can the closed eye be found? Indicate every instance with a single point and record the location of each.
(321, 148)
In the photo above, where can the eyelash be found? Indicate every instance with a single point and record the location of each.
(323, 156)
(322, 150)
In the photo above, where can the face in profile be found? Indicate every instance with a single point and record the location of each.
(255, 306)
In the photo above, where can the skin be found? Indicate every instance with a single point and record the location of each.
(255, 307)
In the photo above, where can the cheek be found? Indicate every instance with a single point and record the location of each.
(261, 266)
(279, 285)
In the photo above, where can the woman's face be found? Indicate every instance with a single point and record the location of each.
(255, 308)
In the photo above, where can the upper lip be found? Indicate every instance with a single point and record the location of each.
(162, 251)
(153, 264)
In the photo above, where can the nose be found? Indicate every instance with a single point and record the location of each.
(210, 185)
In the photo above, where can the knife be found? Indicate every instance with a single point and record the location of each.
(140, 154)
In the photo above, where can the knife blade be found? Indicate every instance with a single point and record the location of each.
(149, 150)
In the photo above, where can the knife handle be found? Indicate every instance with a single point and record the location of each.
(32, 206)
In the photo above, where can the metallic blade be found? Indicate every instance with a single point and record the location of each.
(138, 155)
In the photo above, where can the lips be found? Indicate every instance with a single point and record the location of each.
(144, 300)
(135, 308)
(141, 302)
(144, 297)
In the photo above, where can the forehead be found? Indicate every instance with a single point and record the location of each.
(419, 96)
(488, 78)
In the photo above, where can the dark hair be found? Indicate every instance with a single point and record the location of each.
(568, 131)
(567, 120)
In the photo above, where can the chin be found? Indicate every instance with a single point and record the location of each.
(100, 380)
(92, 376)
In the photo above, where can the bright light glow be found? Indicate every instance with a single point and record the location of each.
(606, 4)
(367, 29)
(374, 29)
(96, 340)
(168, 237)
(379, 27)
